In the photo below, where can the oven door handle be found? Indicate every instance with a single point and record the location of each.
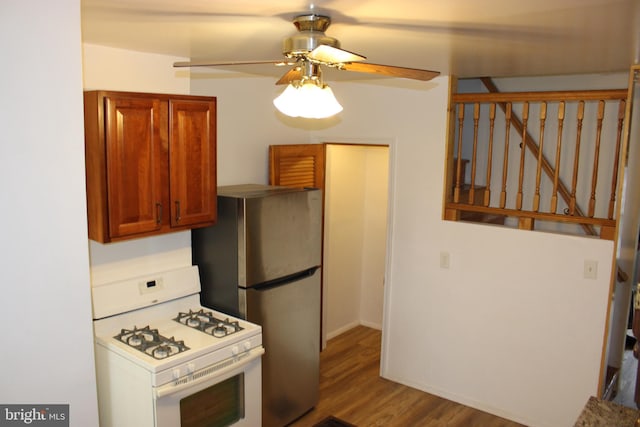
(238, 362)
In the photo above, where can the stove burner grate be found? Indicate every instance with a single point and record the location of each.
(150, 342)
(206, 322)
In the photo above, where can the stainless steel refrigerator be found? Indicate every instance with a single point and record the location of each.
(261, 262)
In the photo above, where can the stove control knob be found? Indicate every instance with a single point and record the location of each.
(247, 345)
(191, 367)
(176, 373)
(235, 350)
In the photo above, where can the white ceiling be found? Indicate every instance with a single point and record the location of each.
(467, 38)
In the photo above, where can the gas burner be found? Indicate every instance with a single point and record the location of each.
(161, 351)
(219, 330)
(206, 322)
(150, 342)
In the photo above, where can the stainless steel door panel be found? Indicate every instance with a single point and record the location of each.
(290, 319)
(263, 233)
(281, 235)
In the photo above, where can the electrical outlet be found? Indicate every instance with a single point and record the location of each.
(444, 259)
(590, 269)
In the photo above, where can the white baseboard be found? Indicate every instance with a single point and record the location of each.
(372, 325)
(351, 325)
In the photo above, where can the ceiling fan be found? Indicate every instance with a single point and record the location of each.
(310, 48)
(306, 94)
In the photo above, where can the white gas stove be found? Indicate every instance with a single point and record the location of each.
(161, 356)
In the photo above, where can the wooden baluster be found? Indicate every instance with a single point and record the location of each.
(576, 159)
(543, 118)
(525, 119)
(456, 190)
(476, 119)
(554, 194)
(505, 165)
(492, 120)
(596, 161)
(614, 178)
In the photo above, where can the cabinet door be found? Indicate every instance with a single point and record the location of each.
(136, 164)
(192, 162)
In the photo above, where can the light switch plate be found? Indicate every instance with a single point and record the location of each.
(590, 269)
(444, 260)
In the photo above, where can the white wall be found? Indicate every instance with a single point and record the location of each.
(344, 238)
(117, 69)
(608, 150)
(511, 327)
(247, 124)
(355, 236)
(45, 309)
(375, 236)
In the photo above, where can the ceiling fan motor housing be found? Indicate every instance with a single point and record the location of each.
(310, 35)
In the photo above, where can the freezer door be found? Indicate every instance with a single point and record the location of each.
(281, 235)
(290, 318)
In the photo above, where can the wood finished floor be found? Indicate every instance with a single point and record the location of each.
(352, 390)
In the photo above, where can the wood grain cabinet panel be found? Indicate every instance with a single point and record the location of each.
(150, 163)
(192, 155)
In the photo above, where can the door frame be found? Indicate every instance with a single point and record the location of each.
(391, 143)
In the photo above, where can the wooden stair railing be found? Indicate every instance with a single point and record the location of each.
(478, 196)
(456, 206)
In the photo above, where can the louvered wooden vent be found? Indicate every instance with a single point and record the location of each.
(297, 165)
(297, 172)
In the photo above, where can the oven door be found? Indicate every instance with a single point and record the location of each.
(226, 394)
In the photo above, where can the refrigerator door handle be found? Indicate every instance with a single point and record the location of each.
(282, 281)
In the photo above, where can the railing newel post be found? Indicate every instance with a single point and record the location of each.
(616, 163)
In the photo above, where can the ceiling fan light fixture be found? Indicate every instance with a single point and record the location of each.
(309, 99)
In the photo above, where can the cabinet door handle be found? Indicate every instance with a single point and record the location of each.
(177, 210)
(158, 213)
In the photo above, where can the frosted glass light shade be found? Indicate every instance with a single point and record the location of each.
(308, 101)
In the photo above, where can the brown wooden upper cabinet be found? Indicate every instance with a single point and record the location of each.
(150, 163)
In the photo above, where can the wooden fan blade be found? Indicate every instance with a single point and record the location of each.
(210, 63)
(294, 74)
(388, 70)
(332, 55)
